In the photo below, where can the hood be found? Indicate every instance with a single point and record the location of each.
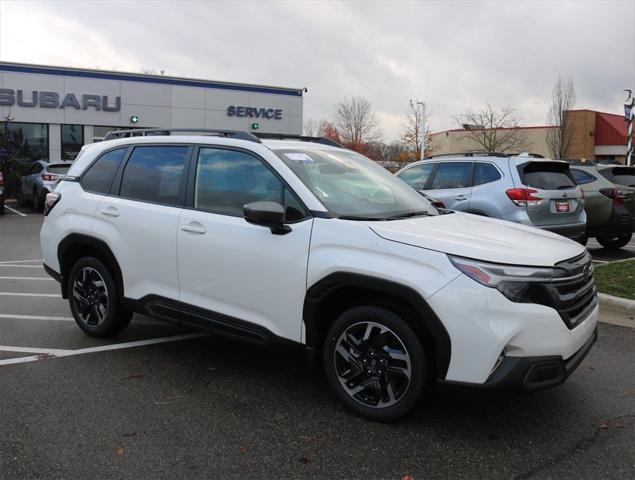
(481, 238)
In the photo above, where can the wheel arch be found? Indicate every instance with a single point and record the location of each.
(75, 246)
(337, 292)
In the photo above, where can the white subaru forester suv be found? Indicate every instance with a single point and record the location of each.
(301, 241)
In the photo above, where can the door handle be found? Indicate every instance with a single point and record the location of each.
(193, 227)
(110, 212)
(461, 197)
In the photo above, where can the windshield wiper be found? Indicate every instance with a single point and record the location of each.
(418, 213)
(354, 217)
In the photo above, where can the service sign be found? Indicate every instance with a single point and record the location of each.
(253, 112)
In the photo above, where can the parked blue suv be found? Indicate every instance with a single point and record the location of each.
(523, 189)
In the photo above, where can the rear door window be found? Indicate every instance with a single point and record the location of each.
(155, 174)
(452, 175)
(100, 175)
(582, 177)
(547, 175)
(417, 176)
(485, 173)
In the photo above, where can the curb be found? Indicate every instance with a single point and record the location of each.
(617, 303)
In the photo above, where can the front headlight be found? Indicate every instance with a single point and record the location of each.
(495, 274)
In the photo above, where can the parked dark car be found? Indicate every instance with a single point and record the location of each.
(610, 207)
(618, 174)
(40, 180)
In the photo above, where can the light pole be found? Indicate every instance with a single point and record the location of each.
(421, 107)
(628, 115)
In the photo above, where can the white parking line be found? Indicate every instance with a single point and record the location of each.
(52, 351)
(20, 294)
(5, 262)
(45, 353)
(15, 211)
(27, 278)
(36, 317)
(20, 266)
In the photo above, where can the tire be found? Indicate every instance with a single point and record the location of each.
(94, 299)
(614, 241)
(38, 200)
(19, 196)
(377, 395)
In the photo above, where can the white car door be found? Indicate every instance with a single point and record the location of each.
(234, 276)
(138, 220)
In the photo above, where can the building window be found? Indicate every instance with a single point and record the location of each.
(72, 141)
(32, 141)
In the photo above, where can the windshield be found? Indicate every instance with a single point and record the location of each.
(351, 186)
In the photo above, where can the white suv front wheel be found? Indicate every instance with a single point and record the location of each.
(375, 363)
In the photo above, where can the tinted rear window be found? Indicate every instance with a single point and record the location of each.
(582, 177)
(58, 169)
(452, 175)
(100, 175)
(546, 175)
(620, 175)
(154, 174)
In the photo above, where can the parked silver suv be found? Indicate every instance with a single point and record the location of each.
(41, 179)
(523, 189)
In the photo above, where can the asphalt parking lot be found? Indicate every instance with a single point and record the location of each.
(163, 402)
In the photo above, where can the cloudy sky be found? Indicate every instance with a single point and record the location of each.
(453, 55)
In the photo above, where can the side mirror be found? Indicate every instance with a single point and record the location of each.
(267, 214)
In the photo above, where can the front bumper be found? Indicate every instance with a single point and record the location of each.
(535, 373)
(485, 327)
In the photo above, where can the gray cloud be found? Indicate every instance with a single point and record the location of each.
(455, 55)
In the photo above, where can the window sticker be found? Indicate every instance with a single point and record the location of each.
(299, 157)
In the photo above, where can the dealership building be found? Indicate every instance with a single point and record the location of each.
(53, 111)
(594, 136)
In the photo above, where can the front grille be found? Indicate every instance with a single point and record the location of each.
(573, 299)
(572, 293)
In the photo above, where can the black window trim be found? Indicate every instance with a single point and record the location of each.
(189, 192)
(434, 174)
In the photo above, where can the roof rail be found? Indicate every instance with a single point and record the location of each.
(302, 138)
(145, 132)
(470, 154)
(527, 154)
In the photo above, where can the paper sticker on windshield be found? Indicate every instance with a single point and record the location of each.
(299, 157)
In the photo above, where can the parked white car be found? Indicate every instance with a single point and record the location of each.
(301, 241)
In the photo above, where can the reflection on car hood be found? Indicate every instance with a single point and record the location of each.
(481, 238)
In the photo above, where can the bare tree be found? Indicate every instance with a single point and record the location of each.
(493, 130)
(562, 100)
(313, 127)
(356, 122)
(413, 130)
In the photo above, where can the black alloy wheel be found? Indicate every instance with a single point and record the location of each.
(375, 363)
(94, 300)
